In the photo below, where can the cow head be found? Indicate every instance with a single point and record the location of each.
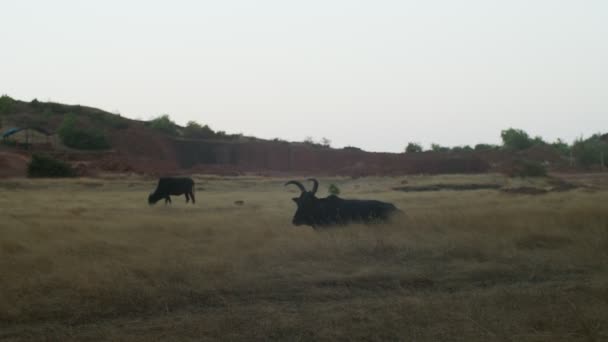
(307, 204)
(152, 199)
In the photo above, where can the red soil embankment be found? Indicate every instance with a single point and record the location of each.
(13, 164)
(264, 156)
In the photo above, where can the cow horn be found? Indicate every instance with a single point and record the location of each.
(298, 184)
(315, 186)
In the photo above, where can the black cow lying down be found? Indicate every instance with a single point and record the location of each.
(333, 210)
(172, 186)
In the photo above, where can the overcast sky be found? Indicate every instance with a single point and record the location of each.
(373, 74)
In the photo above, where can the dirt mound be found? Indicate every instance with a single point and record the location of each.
(525, 190)
(456, 187)
(13, 164)
(560, 185)
(138, 143)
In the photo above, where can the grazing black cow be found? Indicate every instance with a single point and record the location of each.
(172, 186)
(333, 210)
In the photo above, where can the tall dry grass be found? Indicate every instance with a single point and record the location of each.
(90, 260)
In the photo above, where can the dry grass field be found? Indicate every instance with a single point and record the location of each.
(88, 259)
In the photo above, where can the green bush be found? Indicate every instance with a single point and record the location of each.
(196, 131)
(485, 147)
(561, 146)
(79, 138)
(45, 166)
(527, 168)
(164, 124)
(516, 139)
(6, 104)
(465, 148)
(439, 148)
(413, 148)
(589, 151)
(333, 189)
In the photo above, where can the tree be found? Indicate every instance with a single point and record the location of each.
(164, 124)
(590, 151)
(516, 139)
(561, 146)
(194, 130)
(439, 148)
(6, 104)
(79, 137)
(538, 140)
(413, 147)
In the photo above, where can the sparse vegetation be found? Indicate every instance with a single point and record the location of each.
(325, 142)
(81, 138)
(46, 166)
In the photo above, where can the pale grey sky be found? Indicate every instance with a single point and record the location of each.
(373, 74)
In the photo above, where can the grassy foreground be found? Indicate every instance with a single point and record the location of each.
(88, 259)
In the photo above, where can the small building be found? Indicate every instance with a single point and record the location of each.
(27, 137)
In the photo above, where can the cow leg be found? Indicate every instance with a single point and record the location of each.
(192, 197)
(167, 200)
(187, 197)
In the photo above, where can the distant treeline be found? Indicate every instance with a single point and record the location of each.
(192, 130)
(586, 151)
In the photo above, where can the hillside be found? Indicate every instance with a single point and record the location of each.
(107, 142)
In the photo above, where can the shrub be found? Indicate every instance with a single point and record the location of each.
(45, 166)
(195, 130)
(516, 139)
(413, 148)
(333, 189)
(84, 139)
(6, 104)
(561, 146)
(465, 148)
(527, 168)
(439, 148)
(164, 124)
(589, 151)
(485, 147)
